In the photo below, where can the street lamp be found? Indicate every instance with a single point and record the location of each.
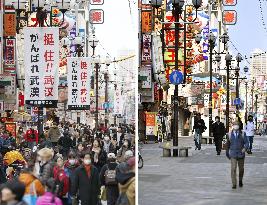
(246, 85)
(97, 67)
(63, 6)
(106, 77)
(238, 59)
(197, 3)
(93, 43)
(228, 59)
(156, 3)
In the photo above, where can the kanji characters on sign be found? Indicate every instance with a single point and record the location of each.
(79, 74)
(96, 16)
(41, 63)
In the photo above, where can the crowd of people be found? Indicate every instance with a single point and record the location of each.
(68, 164)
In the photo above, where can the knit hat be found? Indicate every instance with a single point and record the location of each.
(46, 152)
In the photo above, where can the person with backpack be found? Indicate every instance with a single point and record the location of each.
(125, 176)
(108, 179)
(62, 180)
(49, 198)
(237, 145)
(86, 183)
(33, 186)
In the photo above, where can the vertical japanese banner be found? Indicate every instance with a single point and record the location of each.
(146, 51)
(41, 66)
(146, 21)
(118, 101)
(9, 22)
(79, 75)
(151, 123)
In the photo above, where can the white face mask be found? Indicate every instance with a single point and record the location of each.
(72, 161)
(236, 127)
(87, 161)
(106, 138)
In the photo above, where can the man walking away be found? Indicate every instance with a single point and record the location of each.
(237, 144)
(54, 134)
(199, 127)
(218, 130)
(250, 128)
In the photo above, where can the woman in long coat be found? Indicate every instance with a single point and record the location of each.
(86, 182)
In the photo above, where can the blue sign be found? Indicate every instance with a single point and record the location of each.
(106, 105)
(237, 101)
(176, 77)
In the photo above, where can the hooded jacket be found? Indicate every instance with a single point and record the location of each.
(28, 179)
(127, 185)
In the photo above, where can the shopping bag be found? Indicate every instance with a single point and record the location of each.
(31, 198)
(103, 195)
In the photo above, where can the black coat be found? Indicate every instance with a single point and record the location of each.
(65, 142)
(87, 187)
(200, 124)
(218, 130)
(102, 160)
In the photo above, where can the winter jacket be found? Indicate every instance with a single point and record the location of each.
(46, 199)
(87, 187)
(31, 136)
(250, 128)
(54, 134)
(69, 170)
(218, 130)
(199, 125)
(46, 172)
(102, 160)
(235, 144)
(65, 142)
(127, 185)
(108, 147)
(28, 180)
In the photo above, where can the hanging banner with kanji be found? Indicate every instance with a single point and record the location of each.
(79, 75)
(146, 21)
(10, 52)
(41, 66)
(146, 51)
(9, 22)
(118, 101)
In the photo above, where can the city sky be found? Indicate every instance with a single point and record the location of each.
(249, 32)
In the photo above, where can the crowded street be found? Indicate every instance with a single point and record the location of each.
(203, 178)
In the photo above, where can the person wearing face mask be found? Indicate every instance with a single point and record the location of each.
(99, 156)
(108, 146)
(237, 145)
(125, 147)
(62, 180)
(249, 129)
(12, 193)
(86, 182)
(218, 130)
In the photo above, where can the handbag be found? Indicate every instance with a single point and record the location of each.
(103, 195)
(31, 198)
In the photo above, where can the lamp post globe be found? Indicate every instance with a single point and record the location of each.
(245, 69)
(156, 3)
(211, 37)
(218, 58)
(239, 58)
(197, 3)
(65, 42)
(228, 57)
(224, 38)
(108, 61)
(179, 3)
(93, 42)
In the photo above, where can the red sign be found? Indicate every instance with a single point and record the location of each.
(229, 17)
(96, 2)
(229, 2)
(96, 16)
(10, 52)
(10, 24)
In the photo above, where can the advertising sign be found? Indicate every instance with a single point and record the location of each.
(151, 123)
(10, 23)
(146, 21)
(118, 101)
(146, 52)
(10, 52)
(41, 66)
(79, 74)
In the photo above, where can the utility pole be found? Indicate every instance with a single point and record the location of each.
(177, 11)
(252, 93)
(106, 98)
(97, 66)
(228, 59)
(246, 114)
(256, 111)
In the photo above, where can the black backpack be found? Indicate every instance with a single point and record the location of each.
(123, 199)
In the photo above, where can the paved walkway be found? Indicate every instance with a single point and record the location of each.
(201, 179)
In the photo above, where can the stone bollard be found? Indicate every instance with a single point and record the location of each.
(167, 150)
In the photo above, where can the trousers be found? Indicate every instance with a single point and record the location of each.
(234, 163)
